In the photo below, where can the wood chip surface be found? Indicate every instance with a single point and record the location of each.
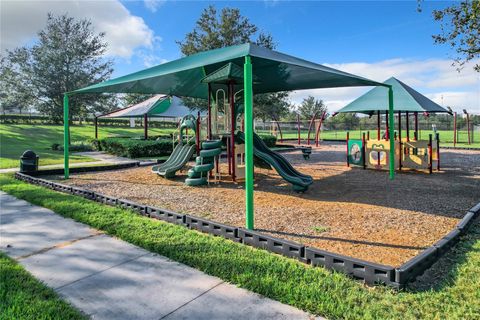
(350, 211)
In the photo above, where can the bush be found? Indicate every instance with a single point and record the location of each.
(28, 119)
(270, 140)
(135, 148)
(95, 144)
(161, 137)
(75, 146)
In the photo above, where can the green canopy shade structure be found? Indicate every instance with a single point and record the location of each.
(154, 106)
(275, 72)
(406, 100)
(264, 71)
(159, 105)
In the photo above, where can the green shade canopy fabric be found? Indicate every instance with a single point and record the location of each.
(226, 74)
(157, 106)
(406, 99)
(274, 71)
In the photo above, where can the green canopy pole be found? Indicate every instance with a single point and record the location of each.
(392, 130)
(65, 136)
(248, 98)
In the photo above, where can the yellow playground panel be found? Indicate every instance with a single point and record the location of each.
(378, 154)
(410, 155)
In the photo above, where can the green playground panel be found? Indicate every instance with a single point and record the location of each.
(355, 153)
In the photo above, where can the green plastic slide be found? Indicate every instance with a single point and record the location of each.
(299, 181)
(170, 159)
(177, 160)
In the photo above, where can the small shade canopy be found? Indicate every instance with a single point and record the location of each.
(157, 106)
(272, 72)
(406, 99)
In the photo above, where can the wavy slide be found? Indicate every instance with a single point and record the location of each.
(177, 160)
(299, 181)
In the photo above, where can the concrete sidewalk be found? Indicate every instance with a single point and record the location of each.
(108, 278)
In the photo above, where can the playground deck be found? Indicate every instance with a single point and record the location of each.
(355, 212)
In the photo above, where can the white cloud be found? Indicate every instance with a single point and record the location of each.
(21, 20)
(151, 60)
(153, 5)
(459, 99)
(431, 73)
(270, 3)
(432, 77)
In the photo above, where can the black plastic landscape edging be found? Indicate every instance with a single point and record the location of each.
(421, 262)
(370, 273)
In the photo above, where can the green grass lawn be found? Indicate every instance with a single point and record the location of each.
(452, 292)
(446, 137)
(24, 297)
(15, 139)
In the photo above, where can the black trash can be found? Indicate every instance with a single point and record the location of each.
(28, 162)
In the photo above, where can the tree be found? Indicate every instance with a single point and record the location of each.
(15, 93)
(460, 25)
(310, 106)
(67, 55)
(271, 106)
(344, 121)
(213, 31)
(228, 29)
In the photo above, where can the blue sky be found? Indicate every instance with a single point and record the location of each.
(333, 32)
(374, 39)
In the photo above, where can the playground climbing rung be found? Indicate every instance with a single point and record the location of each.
(371, 273)
(165, 215)
(280, 246)
(416, 266)
(211, 227)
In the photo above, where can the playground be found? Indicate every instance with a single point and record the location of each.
(350, 211)
(385, 208)
(382, 208)
(310, 203)
(264, 161)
